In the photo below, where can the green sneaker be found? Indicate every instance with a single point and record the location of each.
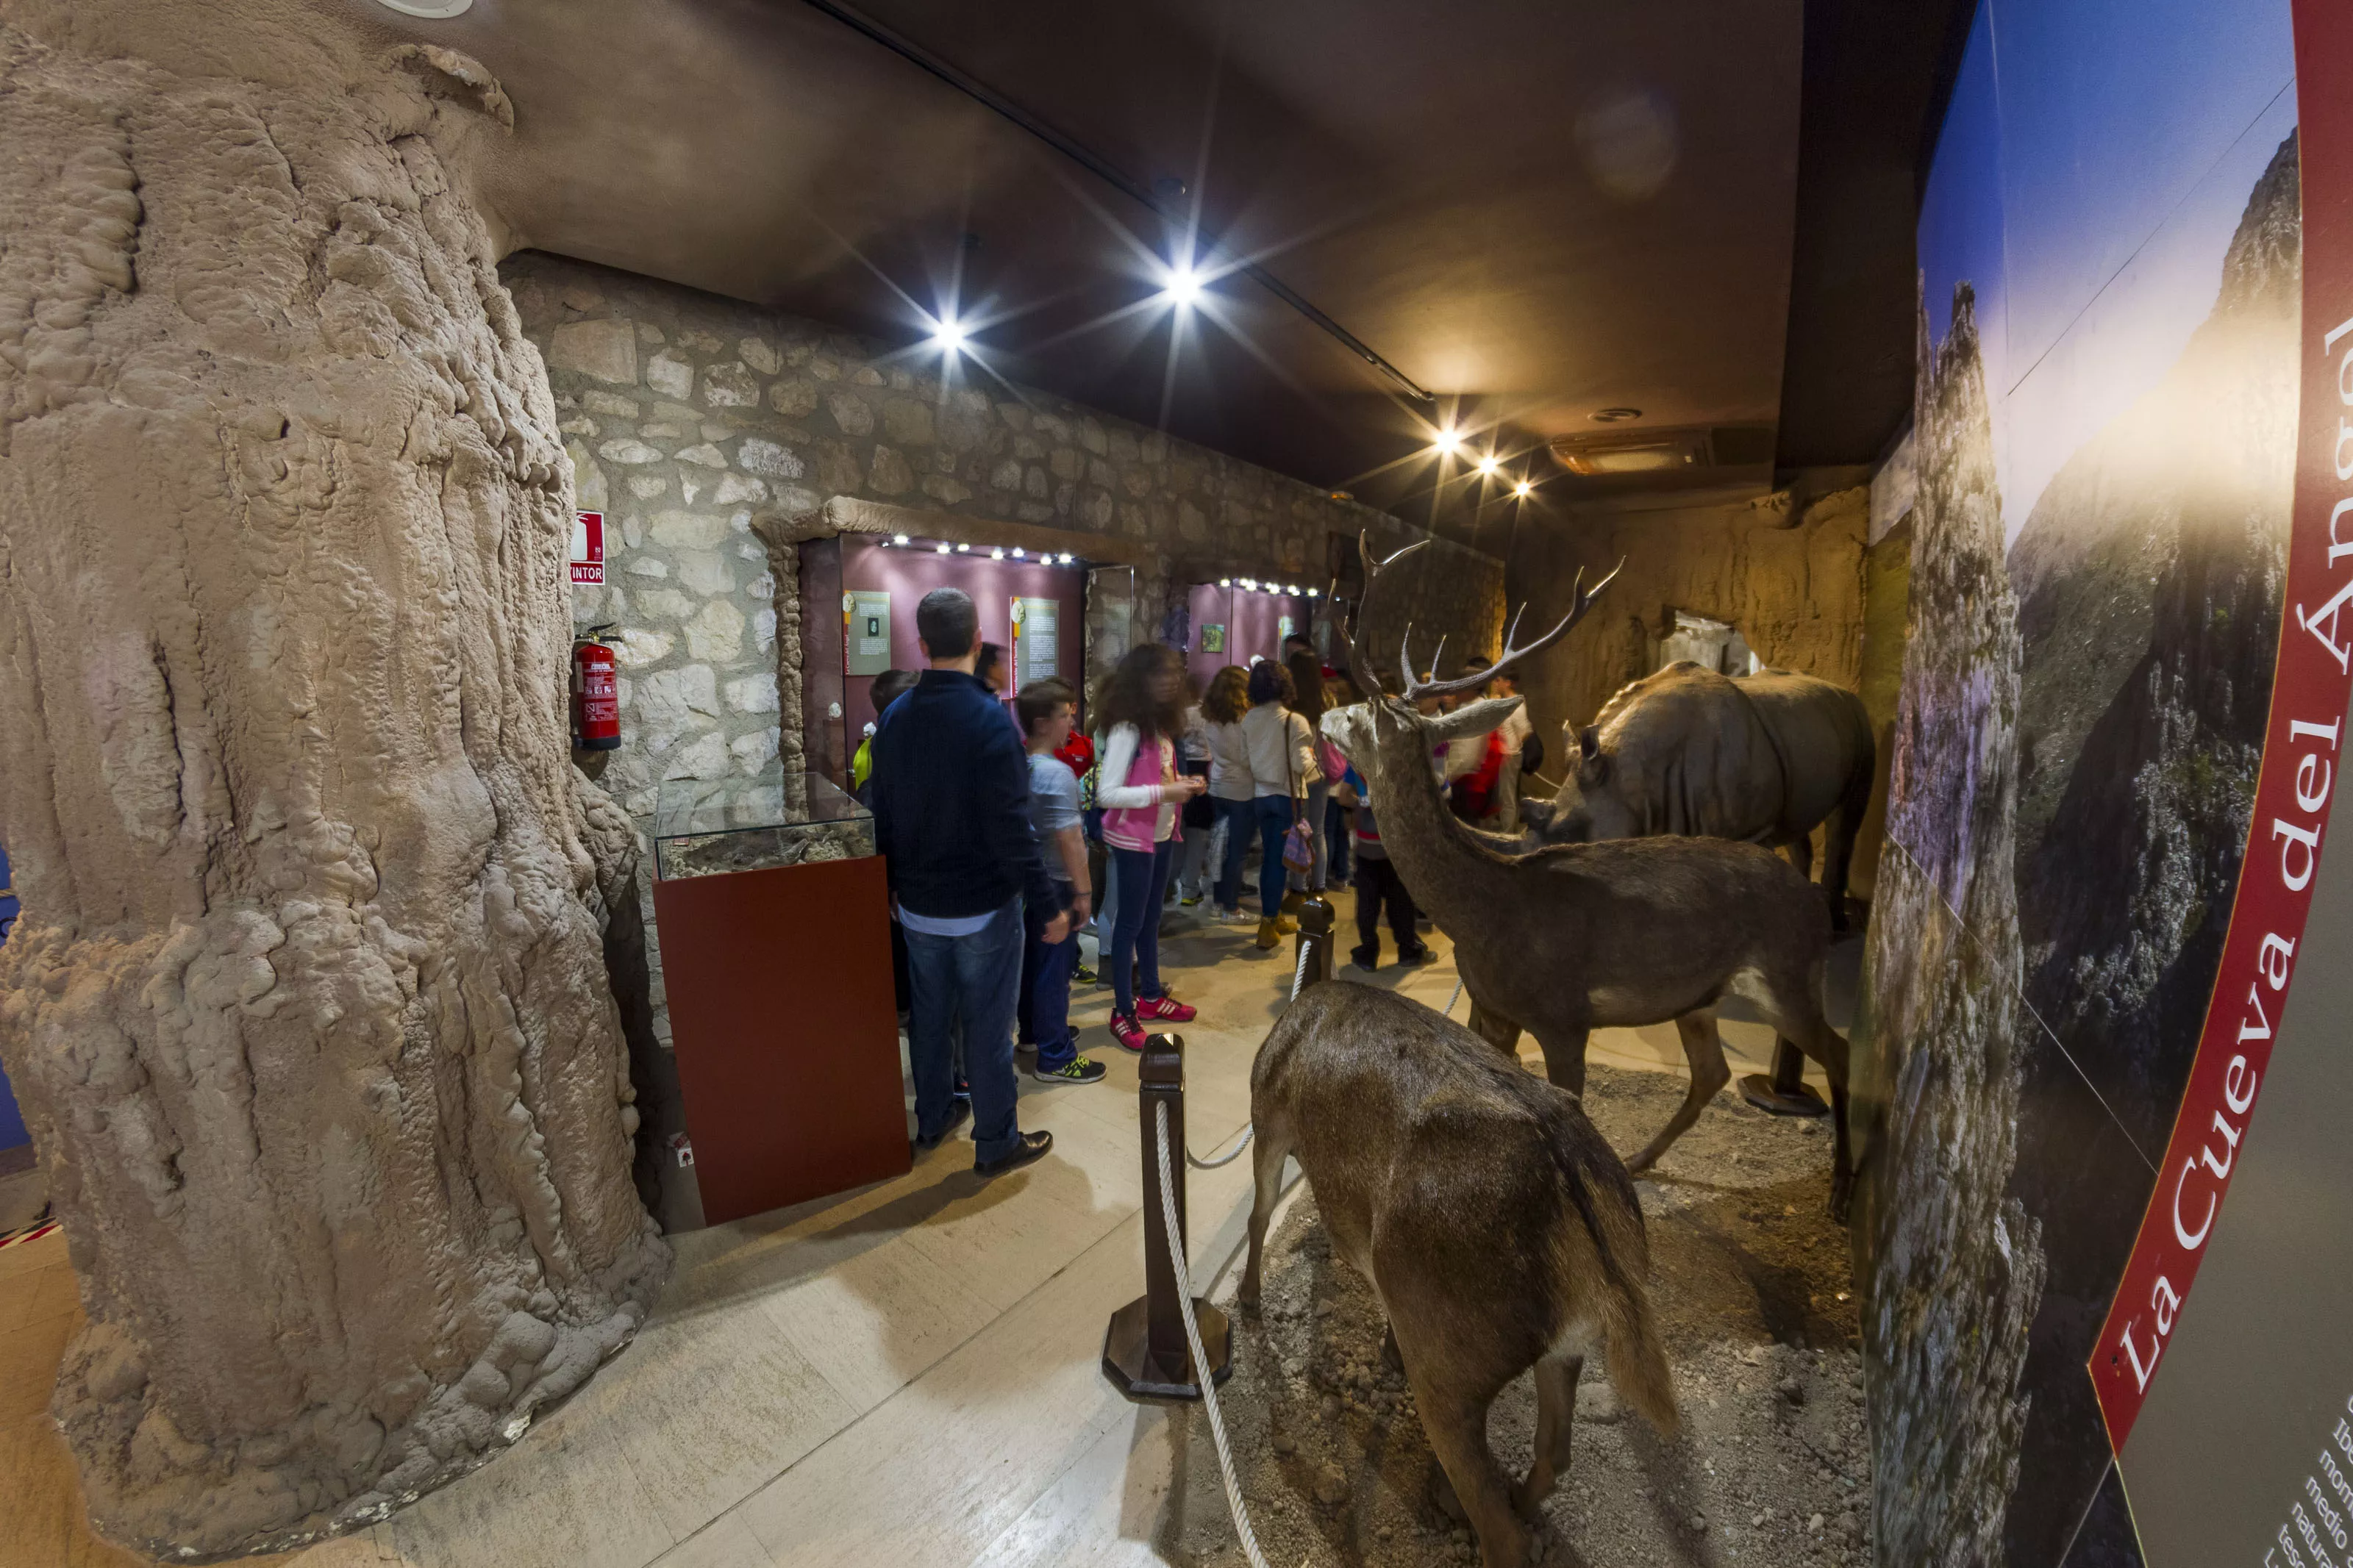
(1078, 1069)
(1084, 976)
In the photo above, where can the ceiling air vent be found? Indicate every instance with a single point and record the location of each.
(1635, 452)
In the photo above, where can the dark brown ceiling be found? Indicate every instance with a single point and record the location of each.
(1416, 171)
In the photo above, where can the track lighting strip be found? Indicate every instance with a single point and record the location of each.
(1110, 174)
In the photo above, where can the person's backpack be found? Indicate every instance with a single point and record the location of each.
(1532, 753)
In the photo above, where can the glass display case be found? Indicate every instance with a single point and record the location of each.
(753, 822)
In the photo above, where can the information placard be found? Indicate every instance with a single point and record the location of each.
(868, 646)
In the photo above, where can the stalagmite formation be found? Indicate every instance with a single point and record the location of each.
(308, 1004)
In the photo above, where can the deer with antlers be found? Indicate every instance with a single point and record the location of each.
(1575, 937)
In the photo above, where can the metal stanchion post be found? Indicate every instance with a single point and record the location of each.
(1786, 1092)
(1315, 943)
(1145, 1352)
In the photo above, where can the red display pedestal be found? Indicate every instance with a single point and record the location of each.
(786, 1031)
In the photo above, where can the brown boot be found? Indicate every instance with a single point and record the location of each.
(1269, 938)
(1292, 902)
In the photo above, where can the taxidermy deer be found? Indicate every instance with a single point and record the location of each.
(1765, 757)
(1574, 937)
(1494, 1224)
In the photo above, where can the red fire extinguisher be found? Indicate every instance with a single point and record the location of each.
(596, 694)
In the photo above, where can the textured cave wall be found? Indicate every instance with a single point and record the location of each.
(1786, 569)
(1952, 1265)
(307, 1004)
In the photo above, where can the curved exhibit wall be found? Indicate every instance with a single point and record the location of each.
(2110, 783)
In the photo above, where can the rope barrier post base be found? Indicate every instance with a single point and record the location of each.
(1144, 1351)
(1315, 943)
(1786, 1092)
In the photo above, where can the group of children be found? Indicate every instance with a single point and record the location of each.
(1151, 777)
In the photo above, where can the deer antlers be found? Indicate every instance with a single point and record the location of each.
(1360, 667)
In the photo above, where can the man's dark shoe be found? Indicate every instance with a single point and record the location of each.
(1033, 1147)
(1419, 955)
(1365, 958)
(959, 1112)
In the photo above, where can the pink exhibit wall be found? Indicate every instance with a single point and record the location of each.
(907, 574)
(1251, 623)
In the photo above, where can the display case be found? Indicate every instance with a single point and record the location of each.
(773, 918)
(703, 826)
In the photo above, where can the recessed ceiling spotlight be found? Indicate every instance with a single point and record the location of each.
(898, 539)
(1487, 465)
(1066, 558)
(964, 549)
(997, 554)
(1615, 415)
(1181, 287)
(1225, 581)
(1522, 489)
(944, 550)
(431, 10)
(948, 335)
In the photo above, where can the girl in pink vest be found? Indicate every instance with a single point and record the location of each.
(1140, 715)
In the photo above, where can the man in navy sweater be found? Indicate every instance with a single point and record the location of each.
(952, 814)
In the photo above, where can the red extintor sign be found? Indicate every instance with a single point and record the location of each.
(588, 547)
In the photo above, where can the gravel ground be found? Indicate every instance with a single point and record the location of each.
(1750, 1280)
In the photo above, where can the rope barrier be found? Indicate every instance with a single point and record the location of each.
(1192, 1339)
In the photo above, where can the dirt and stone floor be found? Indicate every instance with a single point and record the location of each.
(1750, 1280)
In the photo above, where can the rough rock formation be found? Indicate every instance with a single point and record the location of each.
(1785, 571)
(308, 1004)
(1953, 1266)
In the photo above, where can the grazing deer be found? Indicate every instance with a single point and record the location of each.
(1494, 1224)
(1575, 937)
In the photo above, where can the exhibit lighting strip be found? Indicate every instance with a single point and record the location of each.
(1111, 174)
(996, 551)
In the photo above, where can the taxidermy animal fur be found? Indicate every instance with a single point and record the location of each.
(1496, 1226)
(1765, 758)
(1575, 937)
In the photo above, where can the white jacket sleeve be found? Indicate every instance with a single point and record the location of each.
(1118, 756)
(1302, 736)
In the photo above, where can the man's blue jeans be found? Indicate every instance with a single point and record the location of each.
(974, 981)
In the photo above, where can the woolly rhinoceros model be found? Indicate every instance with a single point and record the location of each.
(1763, 757)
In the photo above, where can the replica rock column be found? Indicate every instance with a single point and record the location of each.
(307, 1004)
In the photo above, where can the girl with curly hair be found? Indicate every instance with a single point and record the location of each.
(1141, 717)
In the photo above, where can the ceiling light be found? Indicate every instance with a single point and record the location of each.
(1250, 583)
(944, 550)
(1448, 443)
(964, 549)
(948, 335)
(1311, 593)
(1523, 489)
(1181, 287)
(1019, 554)
(431, 10)
(1066, 558)
(1615, 415)
(1487, 465)
(1225, 581)
(898, 539)
(997, 554)
(1291, 588)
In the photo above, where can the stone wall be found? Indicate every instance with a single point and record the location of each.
(714, 435)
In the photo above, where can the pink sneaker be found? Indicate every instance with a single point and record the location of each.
(1163, 1009)
(1126, 1031)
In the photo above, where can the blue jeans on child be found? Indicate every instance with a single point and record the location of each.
(1140, 884)
(1242, 826)
(1273, 814)
(1046, 996)
(972, 981)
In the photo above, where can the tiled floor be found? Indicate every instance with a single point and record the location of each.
(905, 1373)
